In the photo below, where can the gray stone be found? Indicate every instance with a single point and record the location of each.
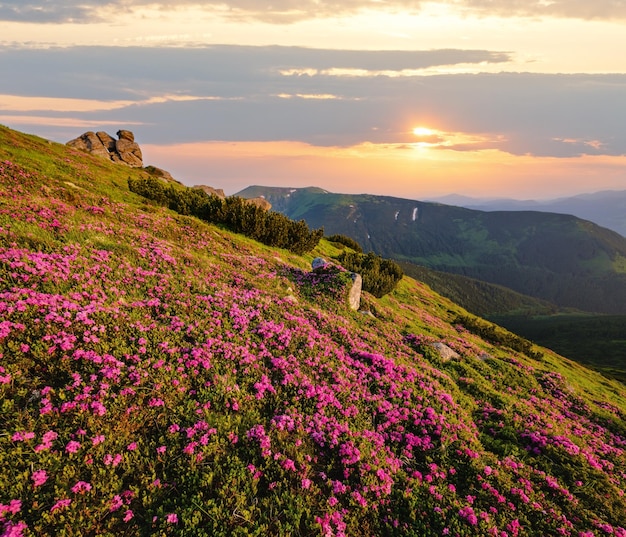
(211, 191)
(354, 297)
(159, 173)
(445, 352)
(90, 143)
(319, 263)
(126, 135)
(101, 144)
(107, 140)
(129, 152)
(260, 202)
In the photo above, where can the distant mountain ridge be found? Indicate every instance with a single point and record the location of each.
(560, 258)
(606, 208)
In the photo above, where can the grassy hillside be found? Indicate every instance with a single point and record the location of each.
(559, 258)
(164, 376)
(598, 341)
(481, 298)
(594, 340)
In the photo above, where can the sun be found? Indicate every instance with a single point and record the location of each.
(423, 131)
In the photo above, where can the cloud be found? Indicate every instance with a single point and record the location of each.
(45, 11)
(237, 93)
(288, 11)
(576, 9)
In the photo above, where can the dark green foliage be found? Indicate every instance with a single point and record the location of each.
(597, 341)
(346, 241)
(497, 335)
(478, 297)
(380, 276)
(268, 227)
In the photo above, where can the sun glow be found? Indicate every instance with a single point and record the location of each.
(423, 131)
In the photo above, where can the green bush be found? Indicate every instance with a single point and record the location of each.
(267, 227)
(380, 276)
(497, 335)
(346, 241)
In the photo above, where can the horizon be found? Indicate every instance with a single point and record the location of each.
(402, 98)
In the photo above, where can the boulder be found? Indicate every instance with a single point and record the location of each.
(159, 173)
(128, 151)
(211, 191)
(354, 295)
(107, 141)
(445, 352)
(90, 143)
(260, 202)
(124, 150)
(318, 264)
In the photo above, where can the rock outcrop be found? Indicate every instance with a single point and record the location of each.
(261, 202)
(211, 191)
(159, 173)
(123, 150)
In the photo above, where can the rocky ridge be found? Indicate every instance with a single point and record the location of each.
(124, 150)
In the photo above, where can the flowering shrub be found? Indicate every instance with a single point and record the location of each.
(153, 382)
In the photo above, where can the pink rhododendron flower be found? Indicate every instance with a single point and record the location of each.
(81, 487)
(60, 504)
(72, 446)
(39, 477)
(116, 503)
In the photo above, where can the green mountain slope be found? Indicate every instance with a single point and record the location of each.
(479, 297)
(164, 376)
(559, 258)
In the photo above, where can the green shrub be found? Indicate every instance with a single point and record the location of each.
(346, 241)
(380, 276)
(497, 335)
(267, 227)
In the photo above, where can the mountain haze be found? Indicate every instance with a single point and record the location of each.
(559, 258)
(606, 208)
(162, 375)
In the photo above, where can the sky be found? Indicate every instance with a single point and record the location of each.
(407, 98)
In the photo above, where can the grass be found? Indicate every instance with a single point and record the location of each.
(163, 376)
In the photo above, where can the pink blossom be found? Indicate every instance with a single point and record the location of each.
(72, 446)
(81, 487)
(172, 518)
(39, 477)
(14, 529)
(22, 436)
(13, 507)
(116, 503)
(60, 504)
